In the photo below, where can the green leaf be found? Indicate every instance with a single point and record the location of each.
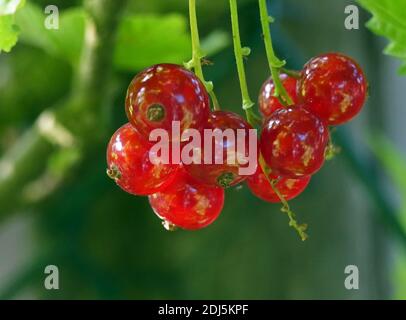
(64, 42)
(150, 39)
(389, 20)
(142, 40)
(8, 29)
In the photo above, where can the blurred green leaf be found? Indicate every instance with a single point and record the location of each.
(215, 42)
(142, 40)
(400, 276)
(389, 20)
(394, 163)
(150, 39)
(64, 42)
(8, 29)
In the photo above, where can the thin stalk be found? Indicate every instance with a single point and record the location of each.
(291, 73)
(274, 63)
(240, 53)
(197, 54)
(300, 228)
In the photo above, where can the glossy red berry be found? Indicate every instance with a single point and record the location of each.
(268, 104)
(288, 188)
(228, 153)
(333, 87)
(129, 164)
(187, 203)
(293, 142)
(165, 93)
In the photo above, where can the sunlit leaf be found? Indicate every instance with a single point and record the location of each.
(9, 31)
(389, 20)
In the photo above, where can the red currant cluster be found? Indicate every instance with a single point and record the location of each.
(330, 90)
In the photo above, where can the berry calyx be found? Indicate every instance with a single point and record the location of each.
(226, 179)
(288, 188)
(129, 164)
(165, 93)
(293, 142)
(155, 113)
(333, 87)
(226, 174)
(188, 204)
(268, 103)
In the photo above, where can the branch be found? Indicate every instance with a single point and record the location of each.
(75, 122)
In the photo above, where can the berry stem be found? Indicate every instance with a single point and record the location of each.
(332, 150)
(275, 64)
(240, 53)
(198, 55)
(300, 228)
(291, 73)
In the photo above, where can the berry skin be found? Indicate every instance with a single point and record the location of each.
(268, 104)
(289, 188)
(164, 93)
(129, 165)
(293, 142)
(333, 87)
(188, 204)
(223, 175)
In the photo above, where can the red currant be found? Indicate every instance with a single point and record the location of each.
(268, 103)
(165, 93)
(227, 173)
(289, 188)
(187, 203)
(333, 87)
(293, 142)
(130, 166)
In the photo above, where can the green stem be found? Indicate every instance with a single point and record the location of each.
(240, 53)
(300, 228)
(275, 64)
(197, 54)
(291, 73)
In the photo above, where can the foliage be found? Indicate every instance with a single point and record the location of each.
(139, 40)
(394, 164)
(389, 20)
(8, 29)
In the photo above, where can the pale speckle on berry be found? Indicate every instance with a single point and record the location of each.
(346, 102)
(290, 183)
(307, 155)
(202, 204)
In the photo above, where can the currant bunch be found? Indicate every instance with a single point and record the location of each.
(330, 90)
(189, 194)
(156, 98)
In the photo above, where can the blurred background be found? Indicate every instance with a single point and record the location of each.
(58, 108)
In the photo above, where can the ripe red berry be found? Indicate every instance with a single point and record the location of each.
(227, 173)
(288, 188)
(333, 87)
(293, 142)
(187, 203)
(268, 104)
(130, 166)
(164, 93)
